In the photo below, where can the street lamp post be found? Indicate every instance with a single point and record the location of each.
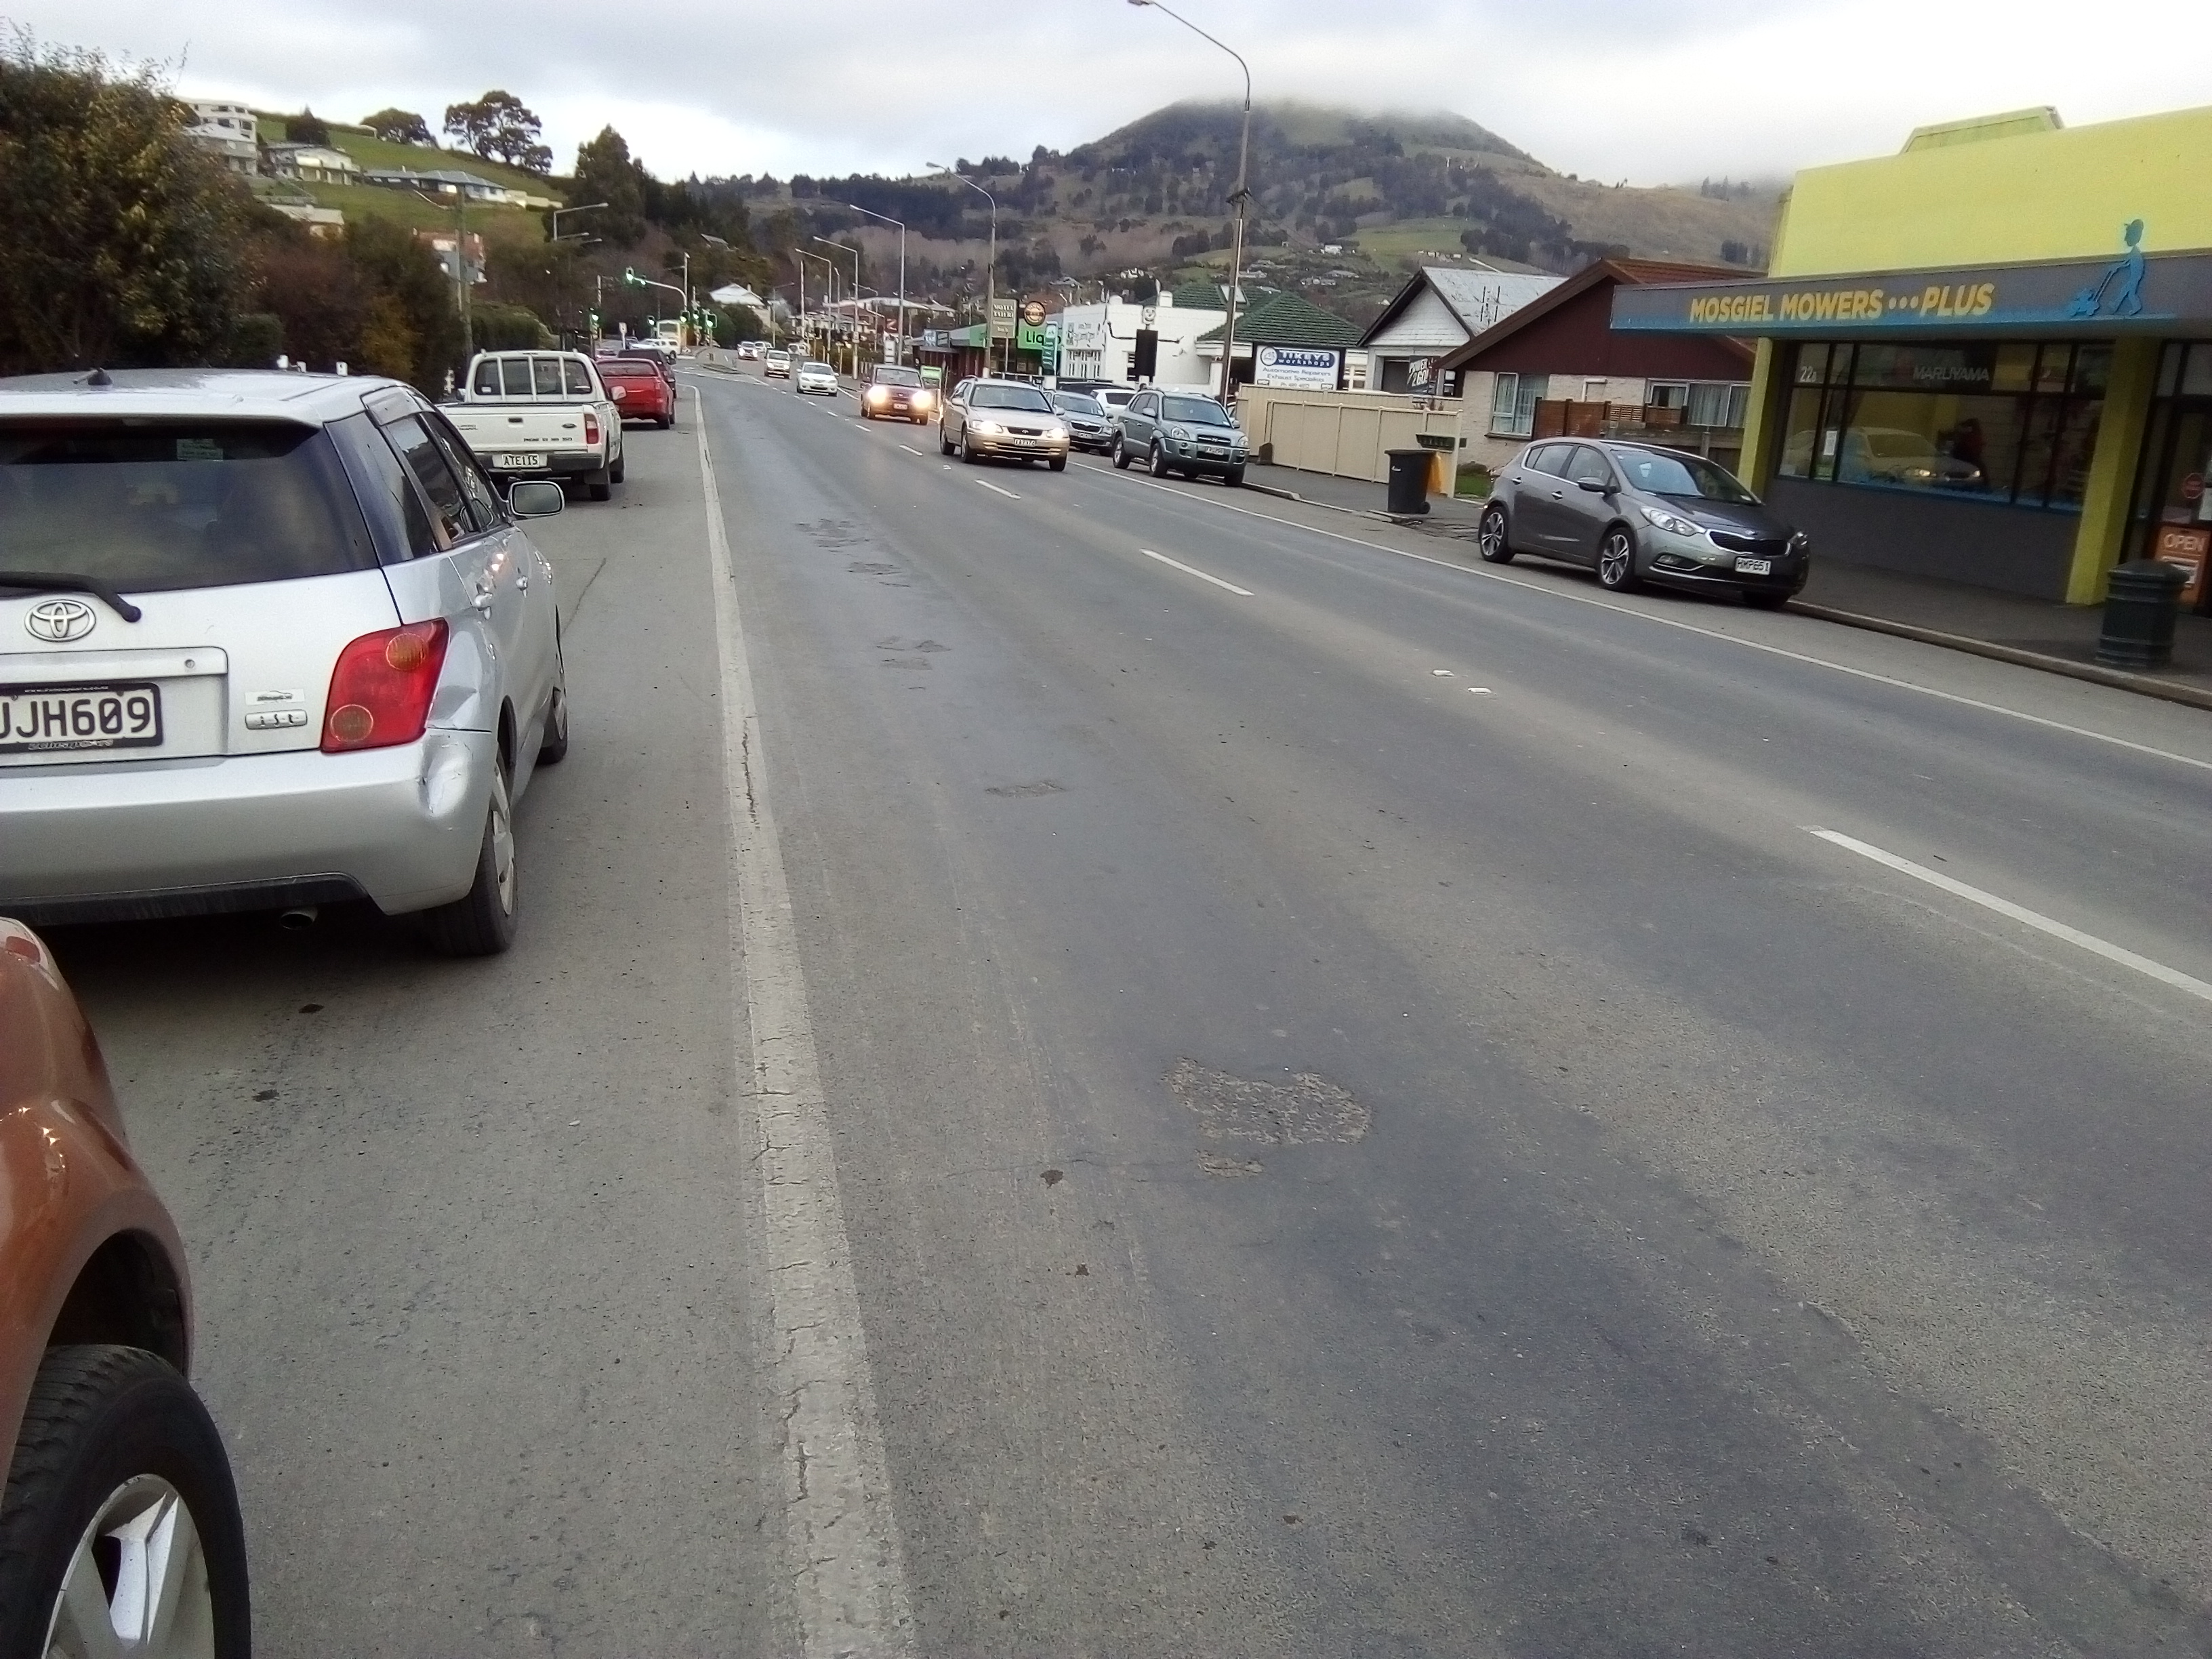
(1241, 197)
(888, 219)
(991, 270)
(460, 266)
(855, 252)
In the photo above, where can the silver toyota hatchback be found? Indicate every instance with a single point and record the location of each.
(267, 640)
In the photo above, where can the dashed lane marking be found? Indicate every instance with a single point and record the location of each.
(1188, 570)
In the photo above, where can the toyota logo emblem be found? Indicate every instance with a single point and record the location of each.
(60, 620)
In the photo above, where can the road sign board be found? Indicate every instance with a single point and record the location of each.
(1002, 319)
(1033, 313)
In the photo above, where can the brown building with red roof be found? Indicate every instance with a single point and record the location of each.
(1556, 367)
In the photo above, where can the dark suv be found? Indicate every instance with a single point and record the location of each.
(1636, 512)
(1184, 432)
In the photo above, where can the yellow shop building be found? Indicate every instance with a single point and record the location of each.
(1987, 358)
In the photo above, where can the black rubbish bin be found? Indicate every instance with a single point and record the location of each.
(1409, 483)
(2139, 605)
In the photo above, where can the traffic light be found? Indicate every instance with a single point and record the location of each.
(630, 275)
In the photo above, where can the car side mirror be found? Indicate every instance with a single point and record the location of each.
(1596, 486)
(618, 392)
(535, 498)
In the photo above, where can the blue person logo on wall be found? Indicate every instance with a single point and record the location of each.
(2124, 300)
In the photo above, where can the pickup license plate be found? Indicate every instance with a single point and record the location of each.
(518, 462)
(1754, 567)
(43, 720)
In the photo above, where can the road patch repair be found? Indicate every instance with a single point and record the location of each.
(1306, 1110)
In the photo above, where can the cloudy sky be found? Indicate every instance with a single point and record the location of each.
(1652, 91)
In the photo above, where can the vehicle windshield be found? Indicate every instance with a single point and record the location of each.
(819, 369)
(1077, 402)
(157, 506)
(898, 376)
(1680, 475)
(1199, 411)
(1009, 396)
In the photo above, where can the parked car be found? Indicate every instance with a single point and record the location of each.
(305, 587)
(775, 365)
(1638, 512)
(1184, 432)
(643, 352)
(1008, 418)
(817, 377)
(540, 414)
(121, 1531)
(893, 390)
(1089, 425)
(640, 390)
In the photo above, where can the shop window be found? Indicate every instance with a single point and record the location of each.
(1513, 406)
(2010, 422)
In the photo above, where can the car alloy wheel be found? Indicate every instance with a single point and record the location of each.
(1490, 539)
(1616, 562)
(967, 447)
(1159, 462)
(1121, 455)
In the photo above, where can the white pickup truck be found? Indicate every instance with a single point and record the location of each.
(540, 414)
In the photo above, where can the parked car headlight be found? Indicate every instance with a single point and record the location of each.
(1800, 542)
(1180, 434)
(988, 428)
(1673, 523)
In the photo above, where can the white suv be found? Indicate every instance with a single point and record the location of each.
(267, 640)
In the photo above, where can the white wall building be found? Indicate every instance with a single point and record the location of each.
(227, 132)
(1440, 310)
(1098, 342)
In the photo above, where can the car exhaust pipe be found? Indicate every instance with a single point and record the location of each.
(299, 919)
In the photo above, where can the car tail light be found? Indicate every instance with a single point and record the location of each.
(590, 427)
(381, 689)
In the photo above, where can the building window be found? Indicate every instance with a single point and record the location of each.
(1513, 406)
(1667, 394)
(2013, 422)
(1716, 403)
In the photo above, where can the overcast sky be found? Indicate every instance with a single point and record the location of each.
(1652, 91)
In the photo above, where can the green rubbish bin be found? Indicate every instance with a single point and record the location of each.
(2141, 602)
(1409, 483)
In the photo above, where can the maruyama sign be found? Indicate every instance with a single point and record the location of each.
(2132, 293)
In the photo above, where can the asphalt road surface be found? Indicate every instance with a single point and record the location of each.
(1096, 1068)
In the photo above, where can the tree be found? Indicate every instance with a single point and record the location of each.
(306, 127)
(119, 239)
(606, 173)
(398, 126)
(500, 127)
(412, 328)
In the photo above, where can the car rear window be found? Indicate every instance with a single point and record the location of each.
(579, 379)
(153, 506)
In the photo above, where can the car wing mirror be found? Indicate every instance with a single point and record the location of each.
(535, 498)
(1596, 486)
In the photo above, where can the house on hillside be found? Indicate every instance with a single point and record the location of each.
(1283, 340)
(1555, 367)
(227, 132)
(311, 164)
(451, 181)
(1439, 310)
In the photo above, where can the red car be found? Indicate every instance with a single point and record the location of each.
(641, 390)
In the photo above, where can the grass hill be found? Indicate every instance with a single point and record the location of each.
(369, 201)
(1343, 202)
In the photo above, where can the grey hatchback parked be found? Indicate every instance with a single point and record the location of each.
(1636, 512)
(1184, 432)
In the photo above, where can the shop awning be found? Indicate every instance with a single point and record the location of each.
(2161, 294)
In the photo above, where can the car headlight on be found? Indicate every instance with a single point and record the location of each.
(878, 395)
(922, 400)
(1057, 433)
(1673, 523)
(988, 428)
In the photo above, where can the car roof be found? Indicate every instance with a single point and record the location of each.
(267, 394)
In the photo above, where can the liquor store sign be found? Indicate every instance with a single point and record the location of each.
(2134, 293)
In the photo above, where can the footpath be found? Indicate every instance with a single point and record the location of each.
(2059, 639)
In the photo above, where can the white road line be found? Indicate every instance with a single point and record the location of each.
(911, 450)
(1242, 592)
(843, 1558)
(1008, 494)
(1691, 628)
(2126, 958)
